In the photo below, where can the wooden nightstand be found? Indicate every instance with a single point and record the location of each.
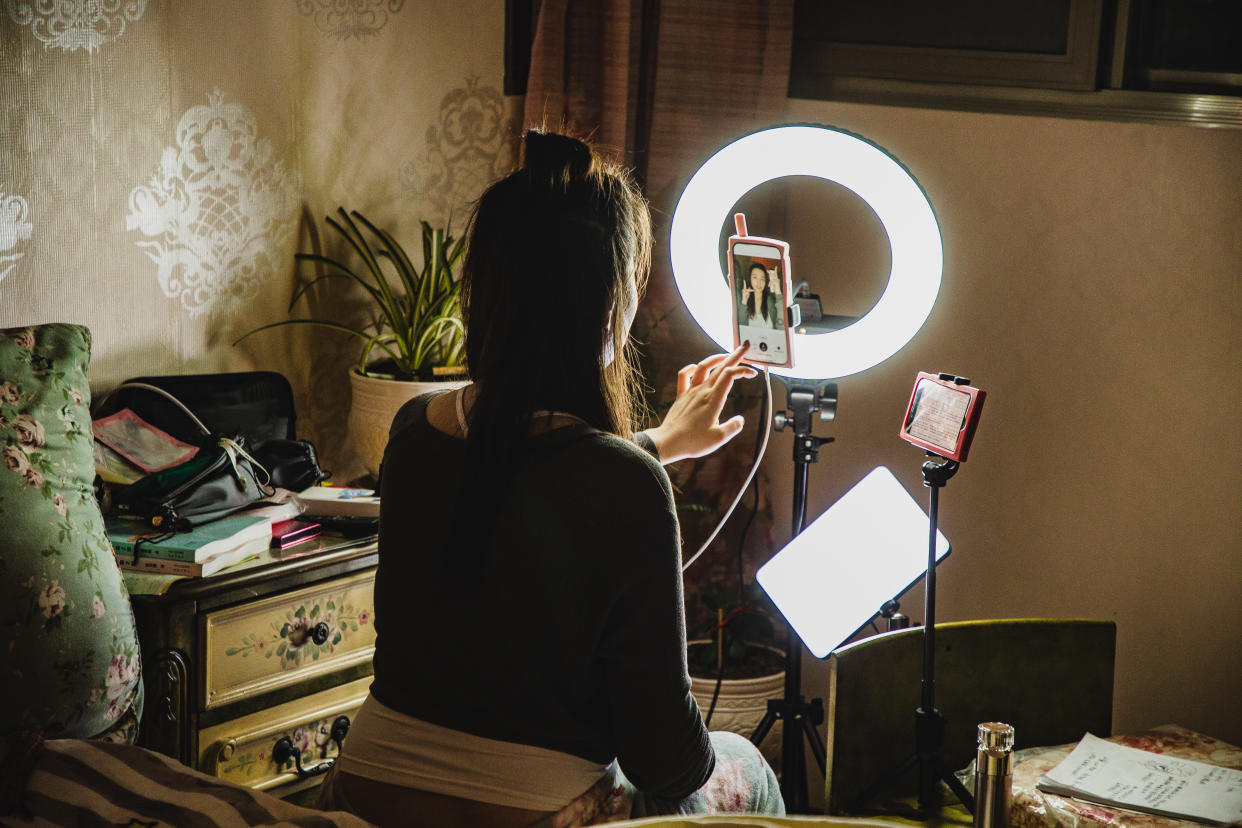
(275, 648)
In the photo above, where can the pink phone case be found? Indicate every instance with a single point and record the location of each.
(777, 342)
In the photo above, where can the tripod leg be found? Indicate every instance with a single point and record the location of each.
(964, 796)
(765, 724)
(817, 745)
(793, 769)
(804, 793)
(870, 793)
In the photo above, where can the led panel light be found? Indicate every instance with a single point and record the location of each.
(869, 547)
(854, 163)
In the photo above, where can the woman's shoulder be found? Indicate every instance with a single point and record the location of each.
(413, 412)
(622, 462)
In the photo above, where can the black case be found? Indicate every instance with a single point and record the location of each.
(254, 405)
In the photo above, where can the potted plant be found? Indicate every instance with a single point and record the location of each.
(737, 663)
(415, 341)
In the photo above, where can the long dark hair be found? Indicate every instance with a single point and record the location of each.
(557, 255)
(767, 291)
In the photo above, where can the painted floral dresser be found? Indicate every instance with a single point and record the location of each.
(253, 673)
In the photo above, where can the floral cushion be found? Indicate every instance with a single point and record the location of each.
(68, 647)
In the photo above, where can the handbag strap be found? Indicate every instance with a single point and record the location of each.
(233, 450)
(156, 389)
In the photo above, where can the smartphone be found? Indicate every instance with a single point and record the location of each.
(942, 415)
(761, 283)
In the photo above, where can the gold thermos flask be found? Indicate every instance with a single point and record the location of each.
(993, 775)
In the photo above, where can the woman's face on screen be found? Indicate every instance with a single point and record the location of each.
(758, 278)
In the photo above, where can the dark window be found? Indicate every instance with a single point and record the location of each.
(1041, 43)
(1187, 46)
(1084, 45)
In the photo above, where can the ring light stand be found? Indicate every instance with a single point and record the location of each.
(801, 717)
(914, 281)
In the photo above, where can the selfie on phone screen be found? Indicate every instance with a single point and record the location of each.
(758, 285)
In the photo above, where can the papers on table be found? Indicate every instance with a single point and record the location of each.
(1154, 783)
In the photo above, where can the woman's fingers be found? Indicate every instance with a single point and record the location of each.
(724, 384)
(734, 358)
(730, 428)
(684, 376)
(713, 368)
(696, 372)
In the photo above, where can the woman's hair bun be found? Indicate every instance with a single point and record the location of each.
(559, 155)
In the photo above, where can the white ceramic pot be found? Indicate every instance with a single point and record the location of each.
(375, 402)
(741, 705)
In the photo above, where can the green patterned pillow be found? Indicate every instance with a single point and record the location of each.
(68, 647)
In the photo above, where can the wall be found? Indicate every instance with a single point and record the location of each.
(1093, 286)
(160, 166)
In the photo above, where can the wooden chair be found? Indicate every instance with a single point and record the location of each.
(1052, 679)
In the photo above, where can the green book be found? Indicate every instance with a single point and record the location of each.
(186, 569)
(130, 539)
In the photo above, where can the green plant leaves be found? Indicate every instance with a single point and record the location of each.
(418, 313)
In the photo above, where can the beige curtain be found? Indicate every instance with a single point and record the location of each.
(664, 83)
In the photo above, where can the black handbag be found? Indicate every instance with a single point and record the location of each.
(292, 464)
(220, 478)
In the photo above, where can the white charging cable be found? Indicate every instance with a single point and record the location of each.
(763, 447)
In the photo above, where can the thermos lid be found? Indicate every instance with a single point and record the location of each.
(995, 736)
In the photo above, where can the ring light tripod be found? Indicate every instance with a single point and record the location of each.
(800, 716)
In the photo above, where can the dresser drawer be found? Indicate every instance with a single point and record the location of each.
(240, 750)
(287, 639)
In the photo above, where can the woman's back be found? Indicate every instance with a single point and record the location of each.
(528, 599)
(566, 632)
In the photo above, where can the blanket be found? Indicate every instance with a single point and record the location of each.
(98, 783)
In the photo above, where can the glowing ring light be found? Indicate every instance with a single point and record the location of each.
(873, 175)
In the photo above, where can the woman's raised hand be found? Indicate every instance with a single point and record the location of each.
(692, 427)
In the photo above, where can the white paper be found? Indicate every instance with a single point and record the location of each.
(1112, 774)
(938, 415)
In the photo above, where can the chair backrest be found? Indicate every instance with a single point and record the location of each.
(1052, 679)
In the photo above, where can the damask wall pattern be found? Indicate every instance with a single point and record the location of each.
(162, 160)
(15, 228)
(219, 210)
(352, 18)
(471, 145)
(75, 24)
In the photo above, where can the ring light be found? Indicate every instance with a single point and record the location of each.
(854, 163)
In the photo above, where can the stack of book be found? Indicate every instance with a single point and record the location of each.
(282, 522)
(198, 552)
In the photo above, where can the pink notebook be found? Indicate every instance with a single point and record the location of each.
(141, 443)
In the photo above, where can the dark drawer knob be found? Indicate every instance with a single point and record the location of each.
(320, 632)
(284, 751)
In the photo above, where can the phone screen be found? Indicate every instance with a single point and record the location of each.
(759, 280)
(937, 416)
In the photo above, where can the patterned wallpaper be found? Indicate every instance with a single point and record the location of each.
(161, 162)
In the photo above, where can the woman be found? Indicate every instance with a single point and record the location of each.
(758, 302)
(528, 598)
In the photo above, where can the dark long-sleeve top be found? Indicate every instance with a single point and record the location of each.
(570, 635)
